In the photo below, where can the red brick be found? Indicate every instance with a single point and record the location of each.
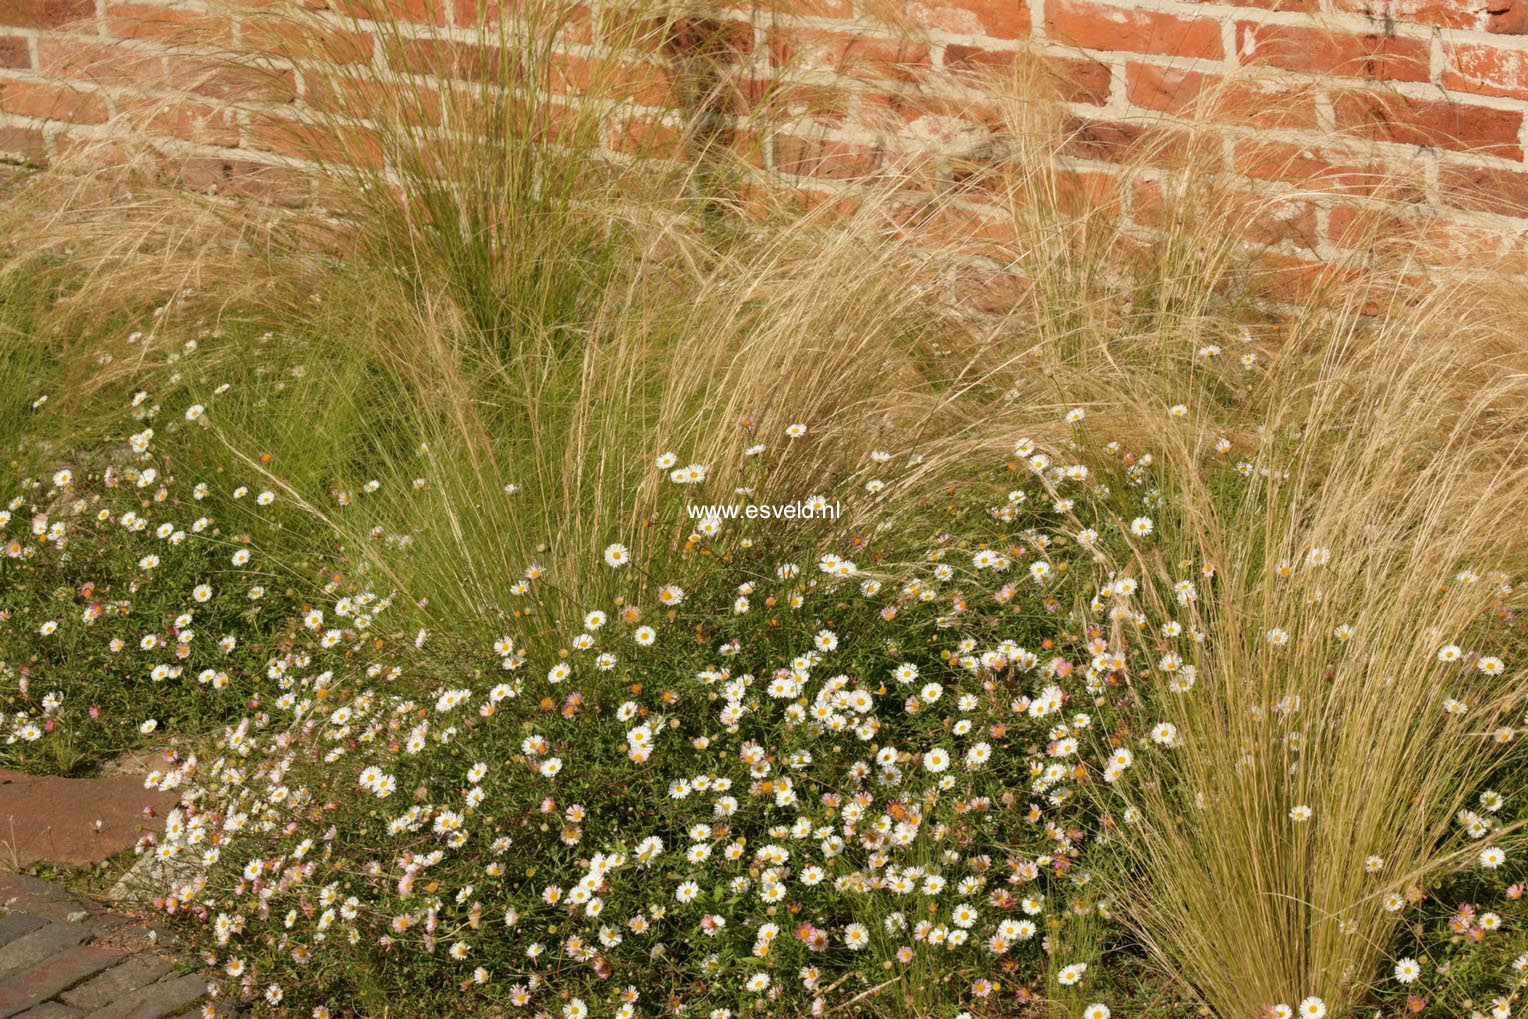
(959, 229)
(708, 38)
(1071, 80)
(179, 25)
(885, 109)
(832, 160)
(819, 104)
(48, 101)
(418, 12)
(958, 57)
(847, 53)
(1186, 93)
(1508, 17)
(816, 8)
(1501, 16)
(1079, 191)
(1320, 50)
(644, 136)
(1107, 26)
(1327, 168)
(1446, 240)
(1167, 89)
(1079, 81)
(223, 79)
(1263, 220)
(103, 63)
(323, 44)
(644, 84)
(995, 19)
(24, 143)
(14, 53)
(1122, 141)
(1485, 69)
(1300, 6)
(1363, 226)
(1282, 222)
(446, 58)
(45, 13)
(317, 142)
(1272, 104)
(242, 177)
(195, 122)
(352, 97)
(992, 293)
(1289, 277)
(621, 26)
(1385, 116)
(1484, 189)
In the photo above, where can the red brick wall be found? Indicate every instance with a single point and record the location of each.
(1332, 90)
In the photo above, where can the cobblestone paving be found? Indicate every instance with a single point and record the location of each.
(62, 957)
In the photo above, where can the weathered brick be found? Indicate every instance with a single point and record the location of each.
(15, 925)
(325, 45)
(1320, 49)
(1126, 26)
(1387, 116)
(1497, 190)
(1168, 89)
(1327, 167)
(30, 949)
(21, 143)
(15, 53)
(707, 38)
(155, 1000)
(48, 101)
(995, 19)
(242, 177)
(1125, 140)
(1290, 223)
(1485, 69)
(1232, 100)
(45, 13)
(172, 24)
(194, 122)
(102, 63)
(419, 12)
(967, 230)
(104, 988)
(315, 142)
(1500, 16)
(25, 987)
(643, 84)
(848, 54)
(51, 1010)
(832, 160)
(1079, 81)
(1300, 6)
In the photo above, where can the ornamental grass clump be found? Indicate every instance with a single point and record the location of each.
(1358, 681)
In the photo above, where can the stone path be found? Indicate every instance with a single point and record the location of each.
(62, 957)
(72, 821)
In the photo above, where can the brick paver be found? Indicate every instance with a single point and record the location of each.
(63, 957)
